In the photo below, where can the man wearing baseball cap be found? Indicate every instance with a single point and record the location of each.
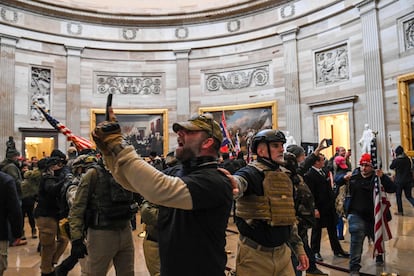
(361, 208)
(194, 204)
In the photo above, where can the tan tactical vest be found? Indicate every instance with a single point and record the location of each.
(276, 205)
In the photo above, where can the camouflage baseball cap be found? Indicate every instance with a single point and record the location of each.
(203, 122)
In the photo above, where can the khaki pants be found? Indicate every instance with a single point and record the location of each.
(152, 257)
(4, 245)
(52, 243)
(251, 261)
(110, 246)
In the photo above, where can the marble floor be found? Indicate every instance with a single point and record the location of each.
(399, 257)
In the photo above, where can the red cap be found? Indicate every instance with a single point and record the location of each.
(365, 159)
(341, 162)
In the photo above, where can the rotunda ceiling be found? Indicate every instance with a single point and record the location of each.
(151, 12)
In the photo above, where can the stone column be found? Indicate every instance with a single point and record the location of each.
(373, 75)
(7, 91)
(73, 96)
(293, 119)
(183, 84)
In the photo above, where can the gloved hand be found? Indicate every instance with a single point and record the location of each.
(78, 249)
(106, 136)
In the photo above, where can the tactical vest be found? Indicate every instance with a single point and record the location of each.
(276, 206)
(110, 202)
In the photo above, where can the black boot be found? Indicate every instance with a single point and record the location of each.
(61, 271)
(49, 274)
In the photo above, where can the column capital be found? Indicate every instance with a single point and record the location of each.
(289, 34)
(366, 6)
(73, 50)
(8, 40)
(182, 54)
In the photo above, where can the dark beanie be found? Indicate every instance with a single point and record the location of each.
(57, 153)
(399, 150)
(296, 150)
(12, 153)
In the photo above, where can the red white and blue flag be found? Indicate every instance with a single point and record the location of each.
(79, 142)
(226, 143)
(382, 230)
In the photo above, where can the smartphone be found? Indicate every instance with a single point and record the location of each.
(328, 142)
(108, 105)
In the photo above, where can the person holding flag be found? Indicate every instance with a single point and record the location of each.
(366, 214)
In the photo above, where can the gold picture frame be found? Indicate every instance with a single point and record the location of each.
(245, 119)
(145, 129)
(406, 101)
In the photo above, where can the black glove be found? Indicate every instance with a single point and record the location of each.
(78, 249)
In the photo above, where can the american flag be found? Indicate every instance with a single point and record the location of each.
(382, 230)
(79, 142)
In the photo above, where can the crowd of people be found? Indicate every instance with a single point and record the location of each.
(89, 200)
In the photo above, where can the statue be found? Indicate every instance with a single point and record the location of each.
(10, 145)
(365, 141)
(290, 140)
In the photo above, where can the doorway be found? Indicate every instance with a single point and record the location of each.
(38, 142)
(336, 127)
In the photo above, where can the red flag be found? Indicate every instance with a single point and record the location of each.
(79, 142)
(382, 230)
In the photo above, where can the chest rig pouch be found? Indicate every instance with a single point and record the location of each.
(276, 206)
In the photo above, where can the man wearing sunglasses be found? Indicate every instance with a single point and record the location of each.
(194, 204)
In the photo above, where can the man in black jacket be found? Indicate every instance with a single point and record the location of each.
(10, 213)
(361, 207)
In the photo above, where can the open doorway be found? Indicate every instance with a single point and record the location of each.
(38, 142)
(336, 127)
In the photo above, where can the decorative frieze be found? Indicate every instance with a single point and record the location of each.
(139, 85)
(233, 26)
(129, 33)
(287, 10)
(332, 65)
(9, 15)
(181, 32)
(238, 79)
(39, 90)
(74, 28)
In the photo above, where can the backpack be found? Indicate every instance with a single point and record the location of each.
(304, 202)
(30, 184)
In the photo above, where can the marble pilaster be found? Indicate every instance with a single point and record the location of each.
(373, 74)
(291, 76)
(73, 96)
(183, 88)
(7, 91)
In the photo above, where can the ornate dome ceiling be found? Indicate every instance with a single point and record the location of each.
(150, 12)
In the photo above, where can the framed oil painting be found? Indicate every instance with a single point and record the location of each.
(244, 121)
(145, 129)
(406, 99)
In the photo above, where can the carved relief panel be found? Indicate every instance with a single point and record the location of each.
(148, 84)
(332, 65)
(39, 91)
(406, 33)
(237, 79)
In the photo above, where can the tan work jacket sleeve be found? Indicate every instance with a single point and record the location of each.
(138, 176)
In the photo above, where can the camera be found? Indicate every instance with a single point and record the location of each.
(328, 142)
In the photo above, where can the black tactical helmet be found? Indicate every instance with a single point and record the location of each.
(267, 136)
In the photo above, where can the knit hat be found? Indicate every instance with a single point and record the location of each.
(365, 159)
(341, 162)
(296, 150)
(399, 150)
(204, 122)
(12, 153)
